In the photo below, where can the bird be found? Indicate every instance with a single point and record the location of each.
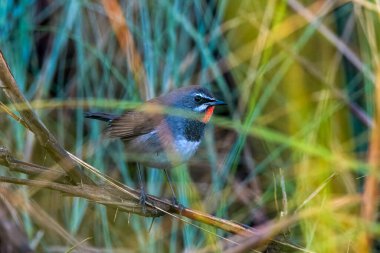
(159, 139)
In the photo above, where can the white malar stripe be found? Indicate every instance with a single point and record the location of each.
(201, 108)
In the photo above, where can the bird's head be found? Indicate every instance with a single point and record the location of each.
(196, 99)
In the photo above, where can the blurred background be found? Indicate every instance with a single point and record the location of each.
(295, 140)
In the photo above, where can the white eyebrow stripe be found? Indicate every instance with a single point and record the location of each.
(204, 96)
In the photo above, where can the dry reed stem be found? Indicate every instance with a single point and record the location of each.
(371, 185)
(124, 200)
(125, 39)
(39, 216)
(45, 138)
(13, 237)
(110, 196)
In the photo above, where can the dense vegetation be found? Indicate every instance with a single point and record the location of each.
(297, 146)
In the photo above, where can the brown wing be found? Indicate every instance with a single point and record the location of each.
(135, 122)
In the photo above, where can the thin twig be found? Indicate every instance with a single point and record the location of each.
(101, 195)
(12, 237)
(35, 125)
(39, 216)
(31, 169)
(124, 199)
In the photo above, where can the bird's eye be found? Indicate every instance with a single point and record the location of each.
(197, 98)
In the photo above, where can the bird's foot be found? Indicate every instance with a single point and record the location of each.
(176, 203)
(143, 199)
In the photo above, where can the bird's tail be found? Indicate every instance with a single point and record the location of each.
(100, 116)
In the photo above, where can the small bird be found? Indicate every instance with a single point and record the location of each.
(160, 139)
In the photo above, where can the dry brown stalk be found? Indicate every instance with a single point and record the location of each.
(371, 185)
(125, 39)
(12, 237)
(39, 216)
(126, 200)
(45, 138)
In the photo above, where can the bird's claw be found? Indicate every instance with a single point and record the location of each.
(177, 204)
(143, 199)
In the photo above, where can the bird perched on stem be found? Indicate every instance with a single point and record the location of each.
(159, 138)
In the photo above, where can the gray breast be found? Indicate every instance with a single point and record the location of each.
(150, 151)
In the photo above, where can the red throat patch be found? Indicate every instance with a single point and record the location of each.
(209, 111)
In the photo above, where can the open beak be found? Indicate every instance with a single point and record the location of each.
(216, 102)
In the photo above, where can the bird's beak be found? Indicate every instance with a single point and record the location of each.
(216, 102)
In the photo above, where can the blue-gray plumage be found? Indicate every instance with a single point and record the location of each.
(161, 140)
